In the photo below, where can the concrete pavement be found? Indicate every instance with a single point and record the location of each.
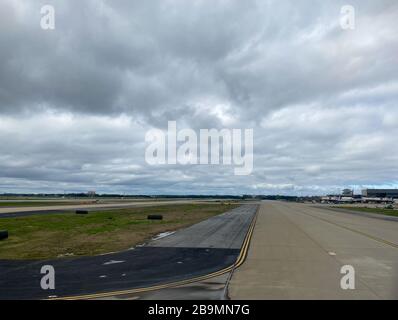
(297, 252)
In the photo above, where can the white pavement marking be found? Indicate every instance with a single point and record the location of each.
(113, 262)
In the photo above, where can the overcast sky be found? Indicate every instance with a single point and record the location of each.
(76, 102)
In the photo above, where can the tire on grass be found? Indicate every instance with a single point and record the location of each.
(3, 234)
(81, 212)
(155, 217)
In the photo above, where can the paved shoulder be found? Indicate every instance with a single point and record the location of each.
(297, 252)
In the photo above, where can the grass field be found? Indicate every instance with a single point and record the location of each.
(388, 212)
(57, 235)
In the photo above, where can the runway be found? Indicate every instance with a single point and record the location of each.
(297, 252)
(192, 253)
(12, 212)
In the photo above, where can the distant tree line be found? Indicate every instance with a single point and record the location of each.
(188, 196)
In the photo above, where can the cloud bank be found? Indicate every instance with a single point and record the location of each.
(76, 102)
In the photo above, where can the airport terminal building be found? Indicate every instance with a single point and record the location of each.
(380, 193)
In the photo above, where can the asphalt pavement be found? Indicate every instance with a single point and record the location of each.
(177, 257)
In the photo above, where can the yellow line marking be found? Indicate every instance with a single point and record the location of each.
(394, 245)
(239, 261)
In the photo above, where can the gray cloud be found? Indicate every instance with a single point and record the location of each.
(75, 102)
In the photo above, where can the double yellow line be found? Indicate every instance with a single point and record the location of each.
(239, 261)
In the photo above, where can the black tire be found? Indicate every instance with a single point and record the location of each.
(155, 217)
(3, 234)
(81, 212)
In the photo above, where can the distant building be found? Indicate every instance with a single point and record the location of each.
(348, 193)
(380, 193)
(91, 194)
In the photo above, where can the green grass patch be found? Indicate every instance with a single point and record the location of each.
(387, 212)
(58, 235)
